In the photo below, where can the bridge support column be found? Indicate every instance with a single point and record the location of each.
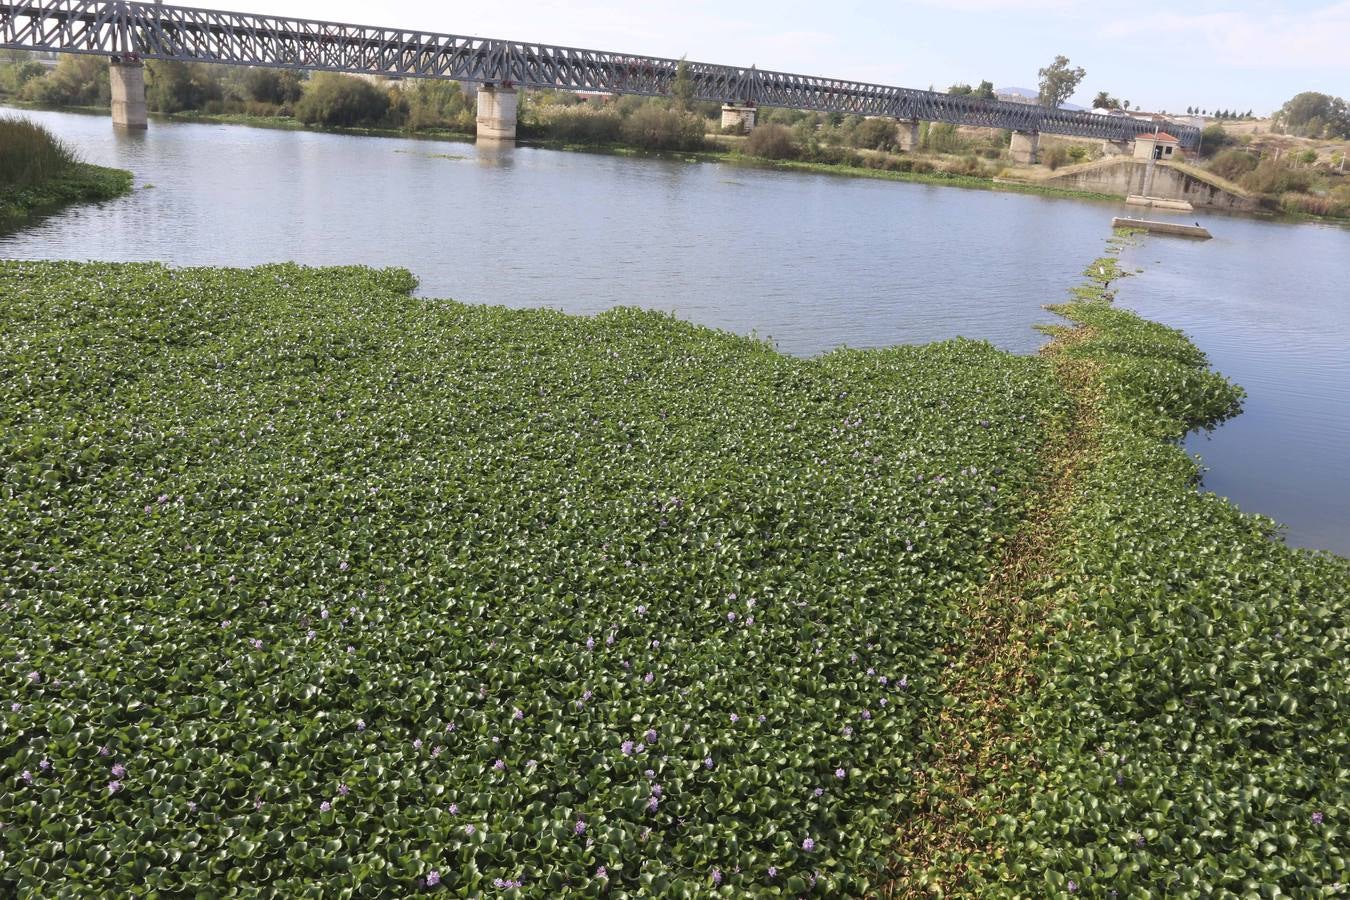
(496, 113)
(1024, 146)
(907, 136)
(738, 117)
(127, 80)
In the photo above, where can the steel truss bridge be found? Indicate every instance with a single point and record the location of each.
(129, 31)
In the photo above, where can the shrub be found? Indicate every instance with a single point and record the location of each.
(1233, 164)
(575, 124)
(77, 80)
(30, 154)
(276, 86)
(341, 101)
(1272, 177)
(943, 138)
(655, 127)
(771, 142)
(1055, 157)
(174, 86)
(1214, 139)
(875, 134)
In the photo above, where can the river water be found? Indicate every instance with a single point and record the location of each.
(811, 261)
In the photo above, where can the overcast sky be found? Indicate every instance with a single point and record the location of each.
(1158, 54)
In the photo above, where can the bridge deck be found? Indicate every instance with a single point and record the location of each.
(149, 31)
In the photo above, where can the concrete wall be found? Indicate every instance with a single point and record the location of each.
(1024, 147)
(1123, 177)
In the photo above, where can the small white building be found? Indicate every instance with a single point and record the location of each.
(1158, 145)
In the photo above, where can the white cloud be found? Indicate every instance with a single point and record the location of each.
(1252, 40)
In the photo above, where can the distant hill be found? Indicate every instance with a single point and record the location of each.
(1028, 95)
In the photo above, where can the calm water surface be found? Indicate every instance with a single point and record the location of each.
(812, 261)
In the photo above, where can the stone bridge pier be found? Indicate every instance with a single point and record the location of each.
(740, 117)
(1024, 146)
(907, 136)
(497, 113)
(126, 77)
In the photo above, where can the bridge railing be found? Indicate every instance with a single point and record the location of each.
(188, 34)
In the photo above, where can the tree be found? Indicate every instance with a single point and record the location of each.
(341, 101)
(1312, 114)
(985, 91)
(961, 90)
(1058, 82)
(1124, 104)
(1103, 100)
(682, 89)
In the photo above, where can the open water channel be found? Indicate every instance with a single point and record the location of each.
(812, 261)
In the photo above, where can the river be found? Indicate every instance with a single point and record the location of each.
(810, 261)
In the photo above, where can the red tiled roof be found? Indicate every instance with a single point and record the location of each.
(1160, 136)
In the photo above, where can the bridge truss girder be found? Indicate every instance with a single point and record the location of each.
(186, 34)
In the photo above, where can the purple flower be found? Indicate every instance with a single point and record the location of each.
(433, 878)
(904, 681)
(437, 751)
(735, 718)
(579, 827)
(848, 731)
(627, 748)
(325, 806)
(642, 609)
(499, 765)
(716, 875)
(323, 613)
(342, 566)
(731, 617)
(590, 643)
(343, 790)
(119, 770)
(45, 764)
(311, 634)
(417, 743)
(26, 777)
(649, 678)
(839, 773)
(707, 762)
(225, 623)
(808, 845)
(818, 792)
(454, 809)
(866, 714)
(773, 871)
(883, 680)
(650, 735)
(113, 786)
(257, 643)
(653, 804)
(468, 829)
(350, 649)
(360, 724)
(601, 873)
(586, 695)
(1073, 887)
(34, 677)
(15, 707)
(517, 714)
(1317, 818)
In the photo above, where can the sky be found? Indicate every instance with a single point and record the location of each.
(1158, 54)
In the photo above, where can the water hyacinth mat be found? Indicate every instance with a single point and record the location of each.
(313, 587)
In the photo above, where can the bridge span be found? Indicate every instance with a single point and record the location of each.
(129, 32)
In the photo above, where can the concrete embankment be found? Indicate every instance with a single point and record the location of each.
(1174, 181)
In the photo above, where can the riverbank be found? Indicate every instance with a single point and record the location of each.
(358, 498)
(81, 183)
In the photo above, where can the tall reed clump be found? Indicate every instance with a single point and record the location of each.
(30, 154)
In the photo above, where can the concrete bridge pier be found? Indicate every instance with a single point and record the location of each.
(496, 113)
(739, 117)
(1024, 146)
(907, 137)
(126, 77)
